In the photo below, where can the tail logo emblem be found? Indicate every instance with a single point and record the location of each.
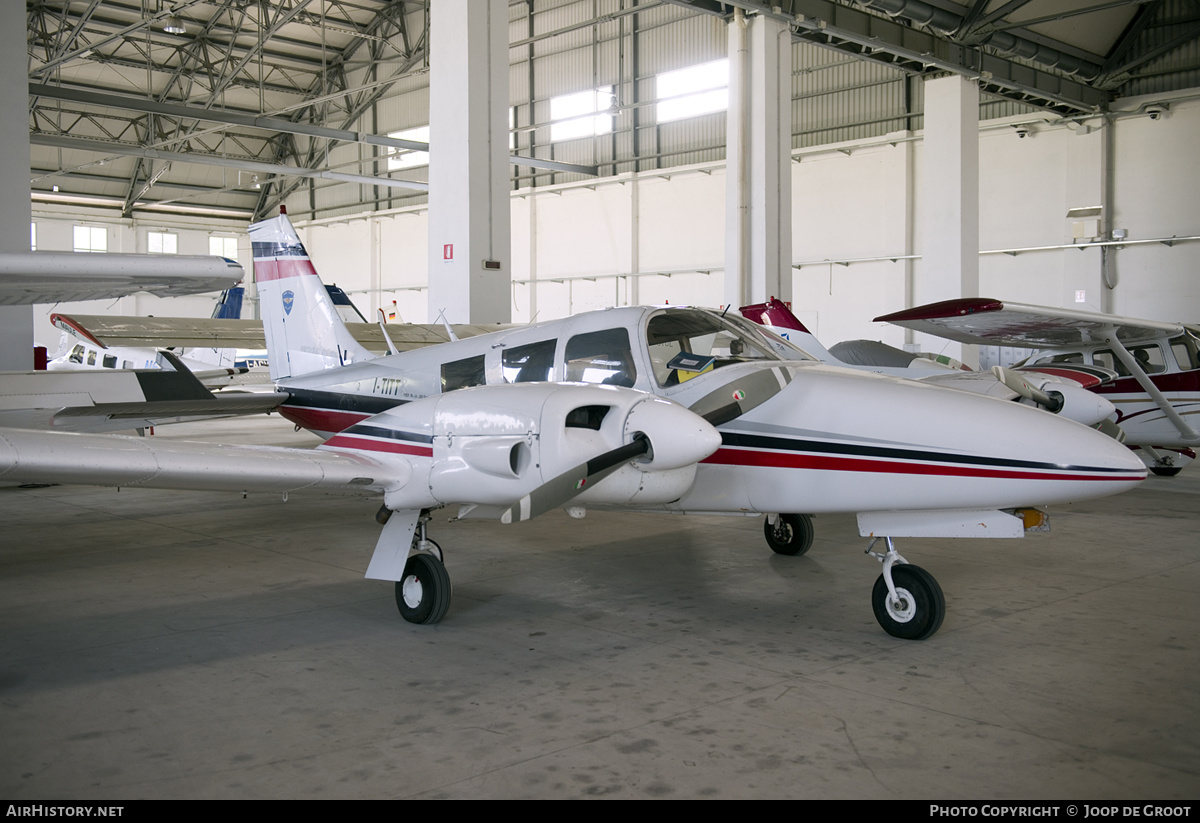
(289, 297)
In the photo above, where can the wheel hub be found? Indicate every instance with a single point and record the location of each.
(412, 591)
(903, 607)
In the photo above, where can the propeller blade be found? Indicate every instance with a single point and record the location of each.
(1022, 387)
(741, 395)
(557, 492)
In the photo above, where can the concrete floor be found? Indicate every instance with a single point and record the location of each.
(166, 645)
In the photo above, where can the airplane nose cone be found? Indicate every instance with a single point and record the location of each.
(678, 437)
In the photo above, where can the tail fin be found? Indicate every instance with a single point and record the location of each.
(776, 316)
(304, 333)
(229, 307)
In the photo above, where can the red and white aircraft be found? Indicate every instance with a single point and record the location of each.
(1057, 393)
(670, 409)
(1149, 370)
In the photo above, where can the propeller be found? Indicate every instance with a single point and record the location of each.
(1052, 401)
(742, 394)
(557, 492)
(673, 437)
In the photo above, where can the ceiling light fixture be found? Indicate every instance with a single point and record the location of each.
(174, 25)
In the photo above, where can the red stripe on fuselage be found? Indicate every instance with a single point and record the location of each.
(350, 441)
(321, 420)
(280, 268)
(820, 462)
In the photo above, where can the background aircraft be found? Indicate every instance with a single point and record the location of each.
(52, 277)
(1057, 393)
(1149, 370)
(616, 408)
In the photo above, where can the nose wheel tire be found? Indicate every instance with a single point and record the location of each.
(423, 595)
(1166, 471)
(790, 534)
(919, 607)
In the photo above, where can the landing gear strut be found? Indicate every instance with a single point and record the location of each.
(907, 601)
(423, 590)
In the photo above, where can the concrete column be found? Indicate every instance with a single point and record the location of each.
(470, 275)
(16, 322)
(758, 214)
(1084, 179)
(950, 197)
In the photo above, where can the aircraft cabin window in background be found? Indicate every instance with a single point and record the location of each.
(583, 114)
(403, 158)
(91, 238)
(91, 358)
(693, 91)
(601, 357)
(459, 374)
(161, 242)
(1149, 357)
(1186, 351)
(110, 361)
(76, 355)
(532, 363)
(223, 247)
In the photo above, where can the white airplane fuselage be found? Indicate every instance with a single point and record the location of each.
(826, 439)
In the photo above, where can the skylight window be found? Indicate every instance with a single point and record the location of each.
(405, 159)
(582, 114)
(693, 91)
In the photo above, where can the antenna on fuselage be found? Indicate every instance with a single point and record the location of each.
(449, 331)
(387, 337)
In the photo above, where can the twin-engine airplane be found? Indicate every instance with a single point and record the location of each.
(668, 409)
(1148, 370)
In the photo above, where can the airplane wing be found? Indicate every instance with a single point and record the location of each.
(108, 460)
(197, 332)
(52, 277)
(988, 322)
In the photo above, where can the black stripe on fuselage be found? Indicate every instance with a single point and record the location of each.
(368, 404)
(389, 434)
(787, 444)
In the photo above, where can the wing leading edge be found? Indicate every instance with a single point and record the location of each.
(987, 322)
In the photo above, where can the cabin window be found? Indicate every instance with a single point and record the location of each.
(1185, 351)
(91, 358)
(1149, 357)
(459, 374)
(110, 361)
(715, 343)
(531, 363)
(601, 357)
(76, 355)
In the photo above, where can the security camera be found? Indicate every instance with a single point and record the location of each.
(1022, 132)
(1156, 112)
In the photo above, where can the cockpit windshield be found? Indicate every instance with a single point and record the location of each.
(685, 343)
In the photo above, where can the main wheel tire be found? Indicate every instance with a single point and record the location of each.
(790, 534)
(423, 596)
(921, 608)
(1166, 471)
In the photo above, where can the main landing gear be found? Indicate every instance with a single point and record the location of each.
(790, 534)
(907, 601)
(423, 593)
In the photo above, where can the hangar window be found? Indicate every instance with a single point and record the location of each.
(582, 114)
(693, 91)
(404, 158)
(161, 242)
(33, 236)
(91, 238)
(223, 247)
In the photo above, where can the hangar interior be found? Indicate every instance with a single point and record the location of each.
(166, 645)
